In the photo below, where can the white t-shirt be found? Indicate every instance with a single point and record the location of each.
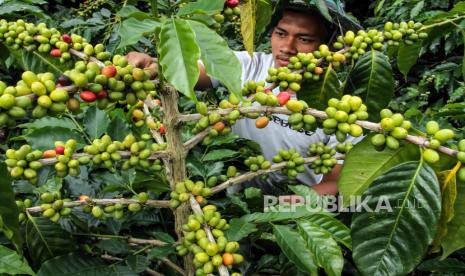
(278, 134)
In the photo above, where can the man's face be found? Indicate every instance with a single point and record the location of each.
(295, 33)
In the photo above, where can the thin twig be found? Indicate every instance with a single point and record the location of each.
(197, 138)
(248, 176)
(109, 201)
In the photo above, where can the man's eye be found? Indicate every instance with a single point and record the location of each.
(280, 34)
(306, 40)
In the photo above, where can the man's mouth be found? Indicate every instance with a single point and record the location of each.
(283, 61)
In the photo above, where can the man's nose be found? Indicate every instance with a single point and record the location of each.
(288, 46)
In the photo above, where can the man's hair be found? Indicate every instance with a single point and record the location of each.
(308, 11)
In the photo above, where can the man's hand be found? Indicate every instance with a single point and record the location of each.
(144, 61)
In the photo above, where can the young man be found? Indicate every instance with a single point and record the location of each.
(299, 29)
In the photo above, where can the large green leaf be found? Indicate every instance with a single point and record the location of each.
(448, 183)
(179, 54)
(44, 138)
(364, 163)
(209, 7)
(337, 229)
(46, 239)
(96, 122)
(407, 56)
(321, 5)
(372, 80)
(455, 238)
(219, 60)
(220, 154)
(49, 122)
(118, 127)
(248, 21)
(18, 6)
(239, 228)
(391, 236)
(294, 247)
(36, 62)
(8, 209)
(325, 249)
(317, 93)
(12, 263)
(132, 30)
(265, 8)
(74, 264)
(283, 213)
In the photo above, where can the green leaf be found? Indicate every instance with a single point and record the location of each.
(49, 122)
(317, 93)
(118, 127)
(463, 59)
(404, 208)
(438, 265)
(266, 11)
(73, 265)
(46, 239)
(248, 21)
(131, 11)
(293, 246)
(455, 238)
(209, 7)
(132, 30)
(219, 60)
(220, 154)
(339, 231)
(179, 54)
(8, 209)
(239, 229)
(161, 252)
(407, 56)
(96, 122)
(36, 62)
(364, 163)
(448, 184)
(44, 138)
(17, 6)
(417, 9)
(325, 249)
(282, 213)
(308, 193)
(137, 263)
(321, 5)
(12, 263)
(114, 246)
(372, 80)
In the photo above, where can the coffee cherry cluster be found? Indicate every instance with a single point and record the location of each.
(344, 147)
(140, 153)
(187, 188)
(22, 205)
(117, 81)
(104, 151)
(20, 34)
(52, 206)
(231, 13)
(461, 158)
(294, 162)
(326, 161)
(208, 255)
(24, 163)
(115, 210)
(288, 79)
(342, 115)
(437, 137)
(216, 121)
(67, 164)
(256, 163)
(394, 127)
(408, 31)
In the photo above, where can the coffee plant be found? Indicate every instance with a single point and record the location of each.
(109, 168)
